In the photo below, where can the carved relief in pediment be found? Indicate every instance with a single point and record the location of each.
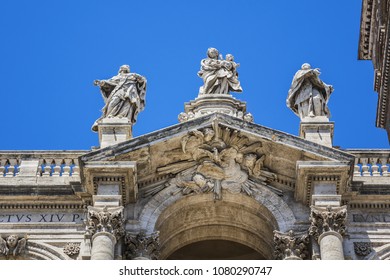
(217, 159)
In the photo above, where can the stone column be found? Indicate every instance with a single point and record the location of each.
(105, 227)
(328, 228)
(291, 246)
(142, 247)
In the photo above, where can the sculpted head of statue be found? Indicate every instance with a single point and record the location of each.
(212, 53)
(229, 57)
(12, 241)
(124, 69)
(305, 66)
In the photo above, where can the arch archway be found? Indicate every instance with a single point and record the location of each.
(237, 227)
(244, 222)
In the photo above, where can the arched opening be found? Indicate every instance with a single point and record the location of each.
(215, 250)
(197, 227)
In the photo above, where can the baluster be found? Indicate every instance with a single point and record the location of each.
(2, 170)
(365, 167)
(56, 168)
(75, 170)
(375, 167)
(46, 169)
(40, 170)
(10, 171)
(17, 167)
(385, 167)
(66, 167)
(356, 170)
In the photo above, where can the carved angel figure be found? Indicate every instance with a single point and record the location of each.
(12, 245)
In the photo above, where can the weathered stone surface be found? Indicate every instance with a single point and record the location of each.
(124, 96)
(291, 246)
(219, 76)
(214, 182)
(308, 96)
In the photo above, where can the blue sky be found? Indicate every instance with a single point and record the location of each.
(51, 51)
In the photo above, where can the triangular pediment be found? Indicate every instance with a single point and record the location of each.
(168, 151)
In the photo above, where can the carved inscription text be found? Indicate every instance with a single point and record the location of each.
(41, 218)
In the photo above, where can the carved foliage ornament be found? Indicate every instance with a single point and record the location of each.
(142, 246)
(362, 248)
(105, 220)
(289, 245)
(72, 249)
(12, 245)
(329, 219)
(218, 159)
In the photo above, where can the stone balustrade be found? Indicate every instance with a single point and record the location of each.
(48, 163)
(9, 166)
(371, 162)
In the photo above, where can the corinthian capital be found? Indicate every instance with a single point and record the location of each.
(327, 219)
(104, 219)
(291, 245)
(142, 246)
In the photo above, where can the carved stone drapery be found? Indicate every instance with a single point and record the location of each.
(291, 245)
(219, 76)
(104, 219)
(142, 246)
(124, 95)
(12, 245)
(308, 96)
(327, 219)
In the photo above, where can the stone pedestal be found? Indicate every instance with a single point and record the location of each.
(103, 245)
(206, 104)
(318, 130)
(113, 131)
(331, 246)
